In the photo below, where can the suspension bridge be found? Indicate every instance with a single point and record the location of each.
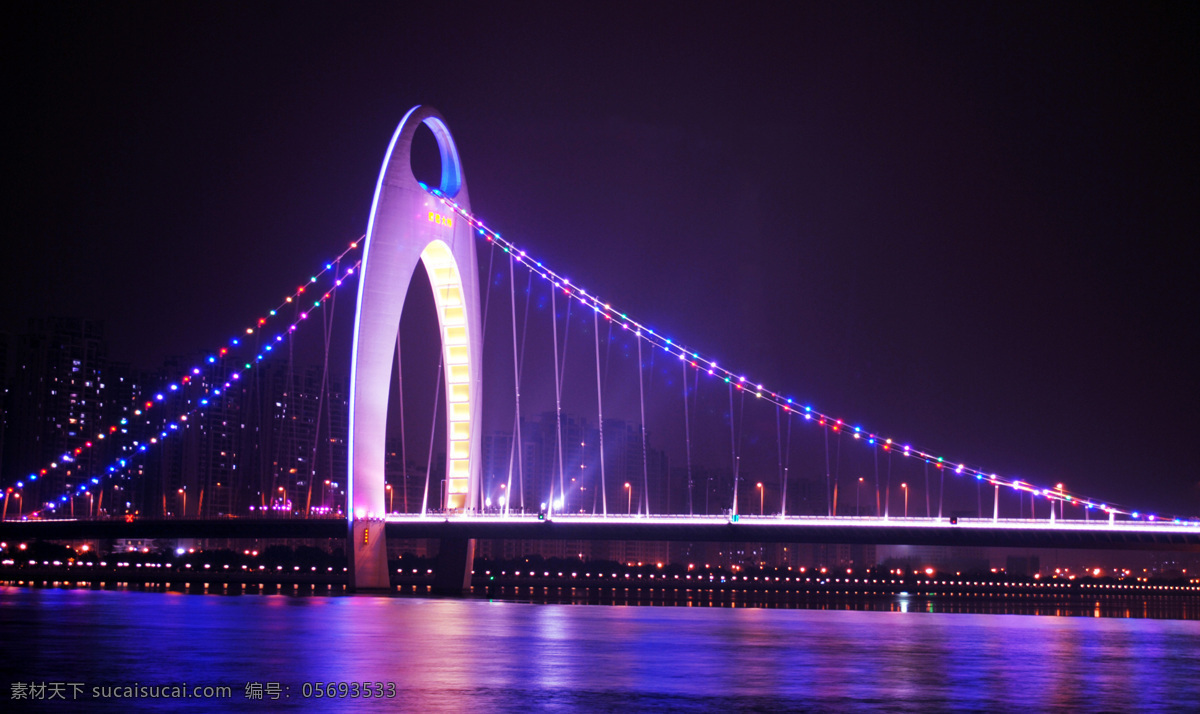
(695, 450)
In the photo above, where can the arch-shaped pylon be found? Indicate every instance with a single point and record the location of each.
(408, 225)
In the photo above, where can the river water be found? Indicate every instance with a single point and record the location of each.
(458, 655)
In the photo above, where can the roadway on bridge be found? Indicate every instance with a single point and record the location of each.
(965, 532)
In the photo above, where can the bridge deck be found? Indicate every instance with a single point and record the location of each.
(1121, 535)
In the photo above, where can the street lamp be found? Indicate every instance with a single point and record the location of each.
(391, 498)
(858, 497)
(1061, 499)
(905, 487)
(183, 494)
(629, 499)
(760, 497)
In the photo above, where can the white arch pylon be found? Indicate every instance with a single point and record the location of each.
(408, 225)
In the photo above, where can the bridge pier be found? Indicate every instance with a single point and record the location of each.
(452, 575)
(367, 549)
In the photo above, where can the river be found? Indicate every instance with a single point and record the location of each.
(102, 646)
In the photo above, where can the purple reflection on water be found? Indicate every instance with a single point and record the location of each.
(456, 655)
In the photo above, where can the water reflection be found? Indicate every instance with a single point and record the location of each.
(456, 655)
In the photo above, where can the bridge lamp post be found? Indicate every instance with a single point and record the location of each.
(1061, 504)
(391, 498)
(759, 486)
(183, 498)
(628, 499)
(858, 497)
(904, 487)
(324, 487)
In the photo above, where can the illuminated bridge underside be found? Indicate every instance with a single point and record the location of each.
(913, 531)
(968, 532)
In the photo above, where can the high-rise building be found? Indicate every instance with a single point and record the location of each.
(57, 401)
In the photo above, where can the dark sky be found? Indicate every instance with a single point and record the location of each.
(966, 225)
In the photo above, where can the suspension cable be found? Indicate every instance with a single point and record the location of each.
(516, 444)
(403, 440)
(779, 444)
(734, 452)
(600, 415)
(437, 392)
(642, 399)
(687, 432)
(558, 445)
(928, 511)
(326, 332)
(786, 465)
(828, 478)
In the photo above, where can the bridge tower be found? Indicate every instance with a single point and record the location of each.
(406, 225)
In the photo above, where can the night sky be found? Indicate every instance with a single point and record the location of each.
(969, 227)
